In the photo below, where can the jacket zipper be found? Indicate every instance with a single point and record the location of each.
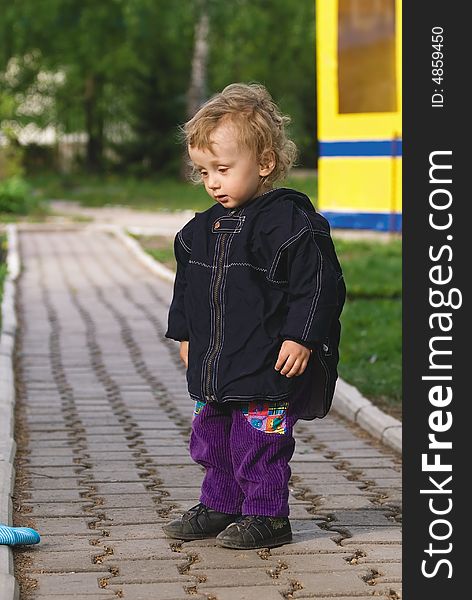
(209, 394)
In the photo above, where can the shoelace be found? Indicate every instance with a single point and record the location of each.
(197, 510)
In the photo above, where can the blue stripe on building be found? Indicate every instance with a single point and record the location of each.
(361, 148)
(376, 221)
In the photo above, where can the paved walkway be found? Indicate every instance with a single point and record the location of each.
(102, 426)
(166, 223)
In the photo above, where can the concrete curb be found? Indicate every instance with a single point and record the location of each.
(8, 586)
(348, 401)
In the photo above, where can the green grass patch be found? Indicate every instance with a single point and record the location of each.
(371, 338)
(371, 321)
(141, 194)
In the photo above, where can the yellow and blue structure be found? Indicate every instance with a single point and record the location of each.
(359, 113)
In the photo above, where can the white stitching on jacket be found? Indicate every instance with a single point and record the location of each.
(237, 264)
(287, 243)
(316, 297)
(181, 240)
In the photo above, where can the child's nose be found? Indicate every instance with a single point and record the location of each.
(213, 182)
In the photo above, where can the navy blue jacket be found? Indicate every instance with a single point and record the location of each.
(247, 279)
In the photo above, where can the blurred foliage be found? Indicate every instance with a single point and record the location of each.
(120, 70)
(16, 196)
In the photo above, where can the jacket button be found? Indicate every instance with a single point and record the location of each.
(217, 225)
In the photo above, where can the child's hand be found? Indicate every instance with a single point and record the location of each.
(184, 353)
(295, 356)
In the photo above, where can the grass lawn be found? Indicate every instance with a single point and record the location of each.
(142, 194)
(371, 320)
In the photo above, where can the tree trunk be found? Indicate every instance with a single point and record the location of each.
(93, 125)
(197, 90)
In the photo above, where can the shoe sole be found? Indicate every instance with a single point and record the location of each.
(268, 544)
(188, 537)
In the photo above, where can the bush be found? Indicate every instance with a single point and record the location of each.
(16, 196)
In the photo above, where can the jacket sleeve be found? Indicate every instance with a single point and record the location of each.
(177, 328)
(311, 287)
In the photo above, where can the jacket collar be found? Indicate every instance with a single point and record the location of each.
(262, 201)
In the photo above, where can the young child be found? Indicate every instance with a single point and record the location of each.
(257, 298)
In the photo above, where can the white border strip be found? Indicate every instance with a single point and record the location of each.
(8, 586)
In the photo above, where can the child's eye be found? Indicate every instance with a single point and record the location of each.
(222, 169)
(203, 173)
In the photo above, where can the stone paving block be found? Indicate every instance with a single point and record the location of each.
(143, 549)
(323, 478)
(57, 509)
(98, 596)
(35, 461)
(165, 461)
(51, 484)
(226, 578)
(384, 473)
(389, 590)
(215, 558)
(373, 535)
(157, 451)
(148, 571)
(120, 487)
(361, 518)
(308, 468)
(136, 532)
(390, 572)
(64, 543)
(180, 476)
(379, 553)
(301, 594)
(58, 496)
(362, 452)
(96, 457)
(41, 452)
(46, 436)
(42, 445)
(373, 462)
(64, 526)
(337, 583)
(332, 503)
(85, 584)
(138, 501)
(342, 489)
(56, 473)
(79, 561)
(116, 446)
(132, 516)
(257, 592)
(189, 495)
(154, 591)
(118, 476)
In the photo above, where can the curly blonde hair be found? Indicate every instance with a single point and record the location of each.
(259, 123)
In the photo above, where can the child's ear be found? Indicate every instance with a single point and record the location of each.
(267, 163)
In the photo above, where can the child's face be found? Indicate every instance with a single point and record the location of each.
(231, 174)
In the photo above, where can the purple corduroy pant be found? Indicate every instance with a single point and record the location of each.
(247, 470)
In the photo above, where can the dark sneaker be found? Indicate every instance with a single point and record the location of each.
(197, 523)
(256, 532)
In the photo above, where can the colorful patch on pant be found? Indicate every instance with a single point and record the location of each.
(270, 417)
(199, 404)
